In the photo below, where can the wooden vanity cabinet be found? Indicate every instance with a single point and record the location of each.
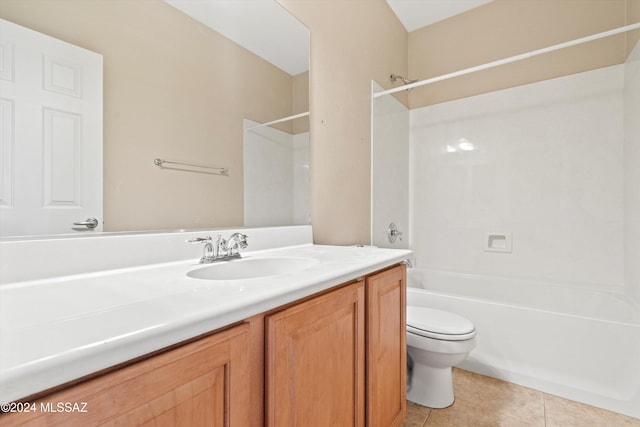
(203, 383)
(340, 359)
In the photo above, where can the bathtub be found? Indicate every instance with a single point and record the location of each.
(575, 342)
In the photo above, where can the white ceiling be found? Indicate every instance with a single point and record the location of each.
(416, 14)
(261, 26)
(268, 30)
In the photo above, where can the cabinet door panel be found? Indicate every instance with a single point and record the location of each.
(204, 383)
(386, 347)
(315, 361)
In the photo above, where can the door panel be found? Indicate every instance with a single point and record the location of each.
(51, 134)
(201, 384)
(315, 361)
(386, 347)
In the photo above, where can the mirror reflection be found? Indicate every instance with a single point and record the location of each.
(276, 176)
(176, 89)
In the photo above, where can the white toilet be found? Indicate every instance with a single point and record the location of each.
(436, 341)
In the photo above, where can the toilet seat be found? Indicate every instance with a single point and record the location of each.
(438, 324)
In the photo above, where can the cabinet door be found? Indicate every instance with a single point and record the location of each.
(315, 361)
(204, 383)
(386, 347)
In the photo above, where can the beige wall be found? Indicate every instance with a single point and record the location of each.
(352, 43)
(633, 17)
(504, 28)
(301, 102)
(173, 89)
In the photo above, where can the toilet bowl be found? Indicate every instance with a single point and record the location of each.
(436, 341)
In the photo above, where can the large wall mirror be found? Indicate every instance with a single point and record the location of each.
(189, 82)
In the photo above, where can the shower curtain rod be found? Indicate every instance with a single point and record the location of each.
(510, 59)
(284, 119)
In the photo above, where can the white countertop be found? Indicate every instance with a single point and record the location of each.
(55, 330)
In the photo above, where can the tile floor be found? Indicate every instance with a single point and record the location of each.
(483, 401)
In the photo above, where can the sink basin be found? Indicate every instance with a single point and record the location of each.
(251, 268)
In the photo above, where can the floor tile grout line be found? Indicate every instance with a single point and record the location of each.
(560, 409)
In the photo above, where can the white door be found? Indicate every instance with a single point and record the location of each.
(50, 134)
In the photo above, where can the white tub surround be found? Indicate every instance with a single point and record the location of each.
(632, 172)
(541, 164)
(131, 296)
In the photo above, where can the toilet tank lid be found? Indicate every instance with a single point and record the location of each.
(438, 321)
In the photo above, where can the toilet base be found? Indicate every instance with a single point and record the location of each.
(431, 387)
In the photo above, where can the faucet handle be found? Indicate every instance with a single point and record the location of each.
(200, 240)
(239, 237)
(239, 240)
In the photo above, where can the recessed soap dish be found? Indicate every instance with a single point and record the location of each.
(498, 242)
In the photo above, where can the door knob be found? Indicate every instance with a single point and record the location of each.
(89, 223)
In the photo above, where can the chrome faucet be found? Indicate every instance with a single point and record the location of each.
(221, 249)
(236, 242)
